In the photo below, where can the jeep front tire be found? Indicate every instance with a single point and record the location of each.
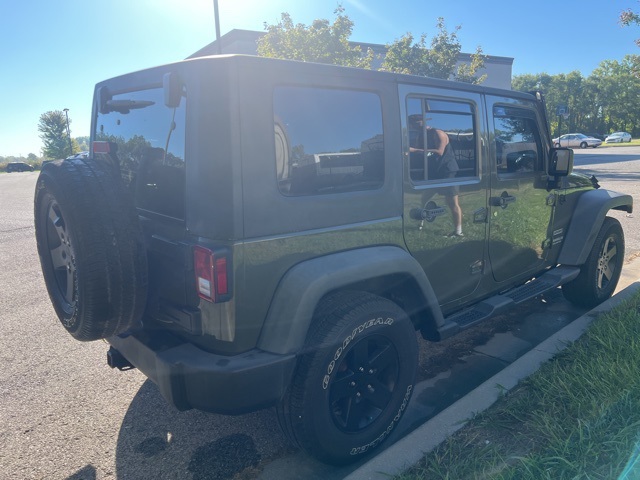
(599, 275)
(354, 380)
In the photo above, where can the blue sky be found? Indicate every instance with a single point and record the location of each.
(53, 53)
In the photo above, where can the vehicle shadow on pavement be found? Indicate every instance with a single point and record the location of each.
(157, 441)
(86, 473)
(451, 369)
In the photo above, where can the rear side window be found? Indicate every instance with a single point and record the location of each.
(149, 141)
(327, 140)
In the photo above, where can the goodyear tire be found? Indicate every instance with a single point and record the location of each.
(354, 379)
(90, 246)
(599, 275)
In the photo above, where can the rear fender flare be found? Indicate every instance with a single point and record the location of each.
(304, 285)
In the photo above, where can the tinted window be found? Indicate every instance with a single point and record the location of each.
(149, 139)
(442, 139)
(517, 140)
(327, 141)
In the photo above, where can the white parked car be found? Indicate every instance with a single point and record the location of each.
(618, 137)
(78, 155)
(576, 140)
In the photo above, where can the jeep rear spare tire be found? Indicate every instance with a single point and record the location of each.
(354, 381)
(90, 246)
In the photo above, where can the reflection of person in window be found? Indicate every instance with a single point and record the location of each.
(416, 133)
(442, 164)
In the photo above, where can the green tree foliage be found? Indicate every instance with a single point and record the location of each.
(326, 42)
(604, 102)
(628, 18)
(83, 143)
(53, 132)
(619, 89)
(321, 42)
(439, 60)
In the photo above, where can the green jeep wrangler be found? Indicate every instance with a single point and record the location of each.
(252, 232)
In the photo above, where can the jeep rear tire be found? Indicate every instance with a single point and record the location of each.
(600, 273)
(354, 381)
(90, 246)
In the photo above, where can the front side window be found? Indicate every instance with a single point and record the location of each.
(517, 140)
(442, 139)
(148, 139)
(327, 140)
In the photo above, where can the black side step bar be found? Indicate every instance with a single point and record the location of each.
(481, 311)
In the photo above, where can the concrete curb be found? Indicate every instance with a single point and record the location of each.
(411, 449)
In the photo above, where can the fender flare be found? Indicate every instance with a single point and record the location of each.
(587, 218)
(304, 285)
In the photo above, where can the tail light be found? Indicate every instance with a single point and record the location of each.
(101, 147)
(212, 271)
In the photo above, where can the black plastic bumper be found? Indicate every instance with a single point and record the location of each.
(189, 377)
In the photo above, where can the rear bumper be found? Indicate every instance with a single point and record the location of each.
(189, 377)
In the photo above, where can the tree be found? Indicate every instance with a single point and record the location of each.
(324, 42)
(321, 42)
(601, 103)
(629, 17)
(619, 85)
(83, 143)
(53, 132)
(438, 61)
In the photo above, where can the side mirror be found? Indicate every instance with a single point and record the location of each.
(561, 162)
(172, 87)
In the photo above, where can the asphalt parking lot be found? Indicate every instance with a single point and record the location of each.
(65, 415)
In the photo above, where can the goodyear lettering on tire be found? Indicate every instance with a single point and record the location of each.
(356, 331)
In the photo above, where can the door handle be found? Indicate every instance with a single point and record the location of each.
(429, 213)
(503, 200)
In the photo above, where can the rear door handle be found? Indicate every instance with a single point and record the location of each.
(503, 200)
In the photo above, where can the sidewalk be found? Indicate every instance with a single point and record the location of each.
(409, 450)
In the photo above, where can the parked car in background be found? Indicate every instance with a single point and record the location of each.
(78, 155)
(19, 167)
(576, 140)
(599, 136)
(618, 137)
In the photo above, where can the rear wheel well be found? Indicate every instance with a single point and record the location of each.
(401, 289)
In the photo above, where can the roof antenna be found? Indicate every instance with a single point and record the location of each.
(217, 17)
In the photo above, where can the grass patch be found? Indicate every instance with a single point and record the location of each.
(578, 417)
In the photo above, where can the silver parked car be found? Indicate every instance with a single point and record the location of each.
(576, 140)
(78, 155)
(618, 137)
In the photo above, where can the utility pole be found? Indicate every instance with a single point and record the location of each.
(66, 112)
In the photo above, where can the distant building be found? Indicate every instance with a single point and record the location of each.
(497, 69)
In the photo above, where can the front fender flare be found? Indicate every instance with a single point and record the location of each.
(304, 285)
(587, 218)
